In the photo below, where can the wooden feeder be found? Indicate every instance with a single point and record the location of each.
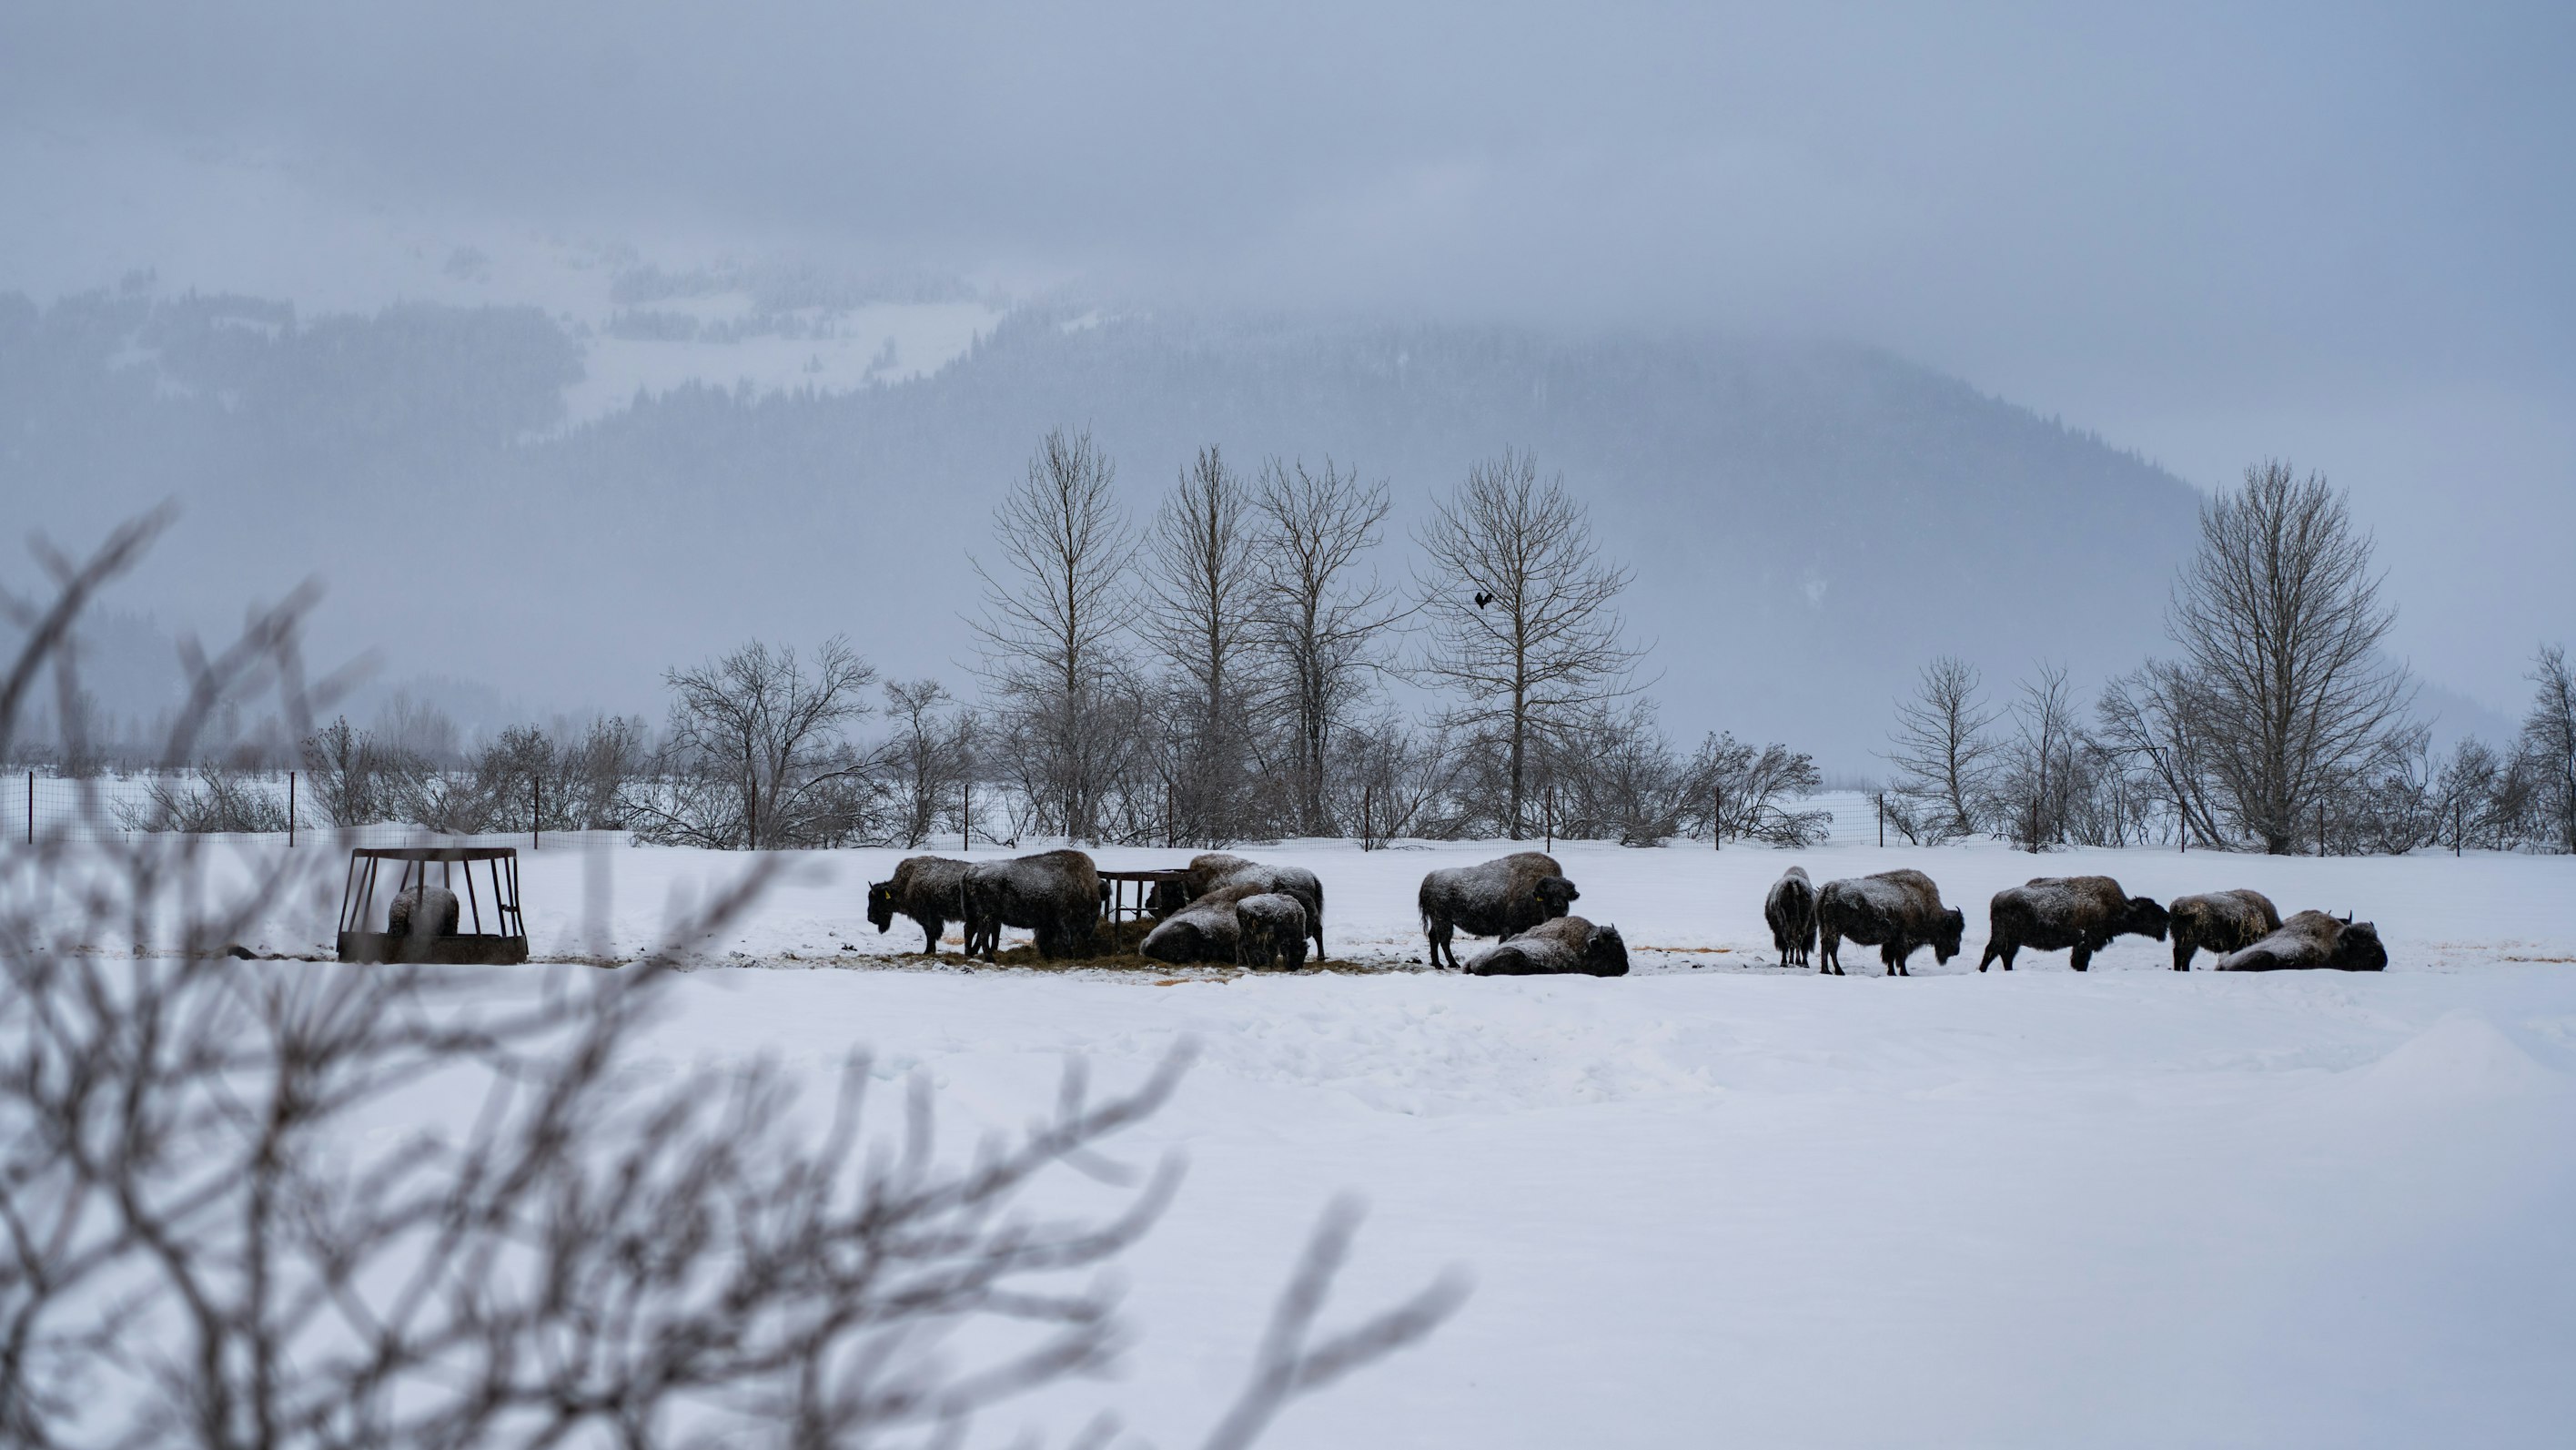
(363, 933)
(1115, 905)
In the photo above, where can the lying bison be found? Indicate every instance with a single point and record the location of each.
(2313, 939)
(931, 890)
(1895, 911)
(2221, 922)
(1212, 869)
(1566, 944)
(1055, 894)
(2080, 914)
(1206, 930)
(1502, 897)
(1271, 929)
(1791, 910)
(423, 910)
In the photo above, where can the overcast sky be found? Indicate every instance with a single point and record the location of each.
(2336, 232)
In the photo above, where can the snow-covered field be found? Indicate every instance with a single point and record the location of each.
(1720, 1203)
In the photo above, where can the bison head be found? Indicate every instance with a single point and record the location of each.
(2144, 918)
(881, 904)
(1946, 934)
(1555, 897)
(2357, 949)
(1606, 953)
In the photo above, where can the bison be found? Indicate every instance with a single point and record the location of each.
(1207, 930)
(423, 910)
(1499, 898)
(1212, 869)
(2312, 939)
(1895, 911)
(2222, 922)
(931, 890)
(1563, 945)
(1271, 927)
(2077, 914)
(1055, 894)
(1791, 910)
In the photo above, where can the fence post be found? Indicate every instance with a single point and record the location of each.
(965, 814)
(536, 811)
(2321, 827)
(290, 810)
(1717, 818)
(1551, 815)
(1367, 790)
(31, 808)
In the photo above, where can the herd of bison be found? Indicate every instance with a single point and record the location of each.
(1225, 909)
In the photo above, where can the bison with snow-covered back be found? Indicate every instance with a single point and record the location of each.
(1207, 930)
(1894, 911)
(2220, 922)
(2076, 914)
(1791, 911)
(2313, 939)
(1565, 945)
(1271, 929)
(1498, 898)
(1055, 894)
(930, 890)
(1212, 869)
(424, 910)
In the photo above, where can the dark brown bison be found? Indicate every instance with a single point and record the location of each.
(423, 910)
(1207, 930)
(1055, 894)
(2312, 939)
(1895, 911)
(2078, 914)
(930, 890)
(1212, 869)
(2221, 922)
(1272, 928)
(1498, 898)
(1791, 911)
(1566, 944)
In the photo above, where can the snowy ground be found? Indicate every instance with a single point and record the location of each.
(1720, 1203)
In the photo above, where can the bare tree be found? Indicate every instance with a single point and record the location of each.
(1322, 620)
(2039, 762)
(929, 756)
(1203, 578)
(2279, 617)
(2156, 722)
(1747, 792)
(1521, 619)
(2548, 742)
(755, 751)
(1943, 755)
(1050, 632)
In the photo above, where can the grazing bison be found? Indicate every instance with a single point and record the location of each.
(2222, 922)
(931, 890)
(1791, 910)
(1055, 894)
(1500, 898)
(1895, 911)
(2312, 939)
(1207, 930)
(1213, 869)
(1566, 944)
(1272, 928)
(423, 910)
(2080, 914)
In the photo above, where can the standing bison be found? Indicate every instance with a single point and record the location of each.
(931, 890)
(2222, 922)
(1055, 894)
(1791, 910)
(1502, 897)
(1212, 869)
(1562, 946)
(2080, 914)
(1895, 911)
(2313, 939)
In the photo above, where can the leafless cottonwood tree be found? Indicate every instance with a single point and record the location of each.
(1942, 751)
(756, 755)
(1055, 606)
(929, 756)
(2156, 721)
(2039, 761)
(1520, 608)
(262, 1205)
(2548, 744)
(1203, 574)
(1322, 617)
(2280, 620)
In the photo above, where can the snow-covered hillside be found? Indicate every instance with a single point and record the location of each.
(1719, 1203)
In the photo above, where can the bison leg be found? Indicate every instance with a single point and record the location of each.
(1439, 932)
(931, 927)
(2081, 957)
(1994, 949)
(2183, 948)
(1831, 960)
(1893, 957)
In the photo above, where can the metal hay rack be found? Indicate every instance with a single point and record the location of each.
(364, 933)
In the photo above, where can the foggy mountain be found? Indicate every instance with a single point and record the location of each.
(1807, 522)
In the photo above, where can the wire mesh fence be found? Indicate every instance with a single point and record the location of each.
(251, 806)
